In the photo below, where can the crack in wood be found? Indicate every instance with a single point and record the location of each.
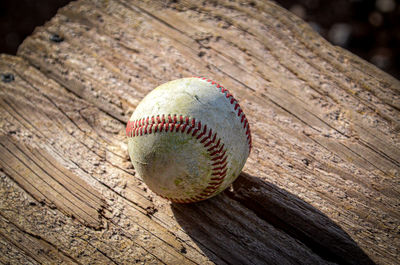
(324, 123)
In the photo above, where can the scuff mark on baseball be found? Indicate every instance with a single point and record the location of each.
(188, 139)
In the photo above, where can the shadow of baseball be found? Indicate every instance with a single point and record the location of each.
(260, 223)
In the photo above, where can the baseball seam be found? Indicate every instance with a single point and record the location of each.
(236, 107)
(210, 140)
(184, 124)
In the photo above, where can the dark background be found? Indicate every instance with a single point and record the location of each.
(368, 28)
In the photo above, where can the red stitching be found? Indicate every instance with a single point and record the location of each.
(219, 173)
(214, 184)
(221, 167)
(214, 146)
(208, 189)
(219, 162)
(171, 123)
(216, 151)
(237, 107)
(184, 127)
(219, 157)
(206, 138)
(202, 133)
(211, 141)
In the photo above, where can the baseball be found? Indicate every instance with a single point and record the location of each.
(188, 139)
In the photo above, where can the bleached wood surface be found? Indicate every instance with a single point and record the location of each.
(321, 185)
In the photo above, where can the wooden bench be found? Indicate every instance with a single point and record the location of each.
(321, 185)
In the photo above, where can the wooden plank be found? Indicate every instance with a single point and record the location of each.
(11, 253)
(71, 239)
(40, 251)
(321, 185)
(46, 109)
(57, 188)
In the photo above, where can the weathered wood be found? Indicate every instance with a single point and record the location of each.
(47, 181)
(321, 185)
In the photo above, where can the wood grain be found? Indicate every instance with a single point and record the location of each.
(321, 185)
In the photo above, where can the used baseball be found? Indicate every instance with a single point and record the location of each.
(188, 139)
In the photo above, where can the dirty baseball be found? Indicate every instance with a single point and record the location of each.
(188, 139)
